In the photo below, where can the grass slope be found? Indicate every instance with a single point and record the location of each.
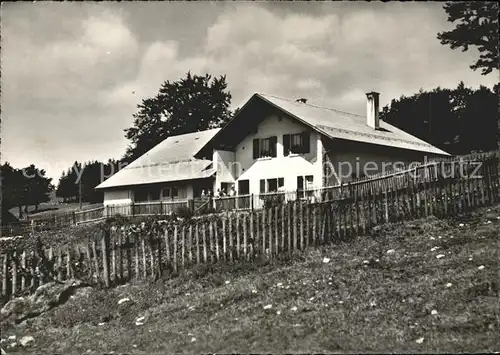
(49, 209)
(363, 300)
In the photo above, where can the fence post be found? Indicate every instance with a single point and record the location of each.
(270, 239)
(263, 232)
(113, 258)
(183, 247)
(69, 272)
(294, 225)
(14, 273)
(167, 251)
(144, 264)
(301, 226)
(23, 270)
(230, 236)
(216, 240)
(105, 258)
(136, 256)
(129, 255)
(73, 215)
(282, 228)
(204, 242)
(5, 275)
(224, 239)
(356, 204)
(238, 235)
(190, 244)
(245, 238)
(276, 241)
(59, 262)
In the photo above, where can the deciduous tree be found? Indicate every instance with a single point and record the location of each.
(191, 104)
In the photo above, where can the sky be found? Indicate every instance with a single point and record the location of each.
(73, 73)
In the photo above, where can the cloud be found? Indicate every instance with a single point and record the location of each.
(51, 108)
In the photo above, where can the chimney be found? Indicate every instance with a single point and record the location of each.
(301, 100)
(372, 109)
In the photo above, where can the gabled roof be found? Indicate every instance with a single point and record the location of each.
(350, 126)
(335, 124)
(171, 160)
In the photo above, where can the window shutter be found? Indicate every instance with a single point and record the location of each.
(255, 148)
(262, 186)
(286, 145)
(273, 141)
(281, 182)
(306, 142)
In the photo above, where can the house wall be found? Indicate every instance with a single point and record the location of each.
(287, 167)
(343, 159)
(225, 163)
(126, 195)
(185, 190)
(118, 197)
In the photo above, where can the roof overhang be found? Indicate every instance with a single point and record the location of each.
(258, 107)
(159, 173)
(245, 121)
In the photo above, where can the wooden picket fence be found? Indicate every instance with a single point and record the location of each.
(117, 256)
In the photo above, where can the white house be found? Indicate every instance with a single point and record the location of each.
(274, 143)
(271, 144)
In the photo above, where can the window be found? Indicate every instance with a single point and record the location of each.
(170, 192)
(265, 147)
(309, 179)
(154, 194)
(300, 183)
(141, 195)
(243, 187)
(296, 143)
(271, 185)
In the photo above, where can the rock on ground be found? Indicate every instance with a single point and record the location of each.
(46, 296)
(26, 340)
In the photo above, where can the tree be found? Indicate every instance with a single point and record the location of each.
(24, 187)
(426, 115)
(68, 184)
(36, 186)
(478, 26)
(12, 187)
(478, 126)
(191, 104)
(92, 174)
(458, 121)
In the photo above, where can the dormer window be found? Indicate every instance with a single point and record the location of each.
(296, 143)
(265, 147)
